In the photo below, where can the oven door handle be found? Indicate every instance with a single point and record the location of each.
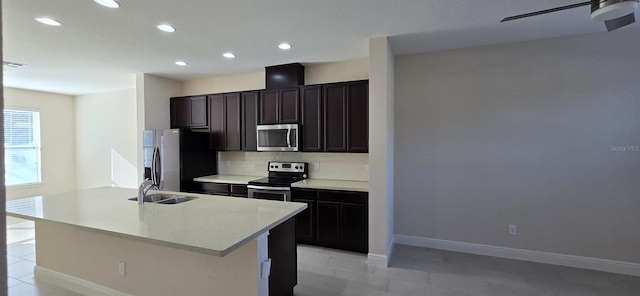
(268, 188)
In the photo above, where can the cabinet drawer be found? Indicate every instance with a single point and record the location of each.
(239, 190)
(215, 188)
(343, 196)
(304, 193)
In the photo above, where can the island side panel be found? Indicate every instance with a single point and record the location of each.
(150, 269)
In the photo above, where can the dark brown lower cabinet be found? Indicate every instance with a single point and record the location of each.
(334, 219)
(306, 221)
(329, 222)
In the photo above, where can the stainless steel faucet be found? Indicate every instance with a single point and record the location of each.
(144, 188)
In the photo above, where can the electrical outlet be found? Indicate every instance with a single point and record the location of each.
(512, 229)
(366, 167)
(121, 268)
(244, 164)
(316, 165)
(228, 163)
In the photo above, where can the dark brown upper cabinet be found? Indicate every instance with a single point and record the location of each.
(225, 125)
(346, 116)
(280, 106)
(335, 117)
(358, 116)
(250, 102)
(188, 112)
(312, 127)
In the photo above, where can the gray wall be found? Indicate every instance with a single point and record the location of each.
(522, 134)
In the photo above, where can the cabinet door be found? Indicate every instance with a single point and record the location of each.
(311, 101)
(289, 105)
(335, 117)
(217, 121)
(358, 117)
(269, 106)
(238, 190)
(180, 112)
(328, 223)
(198, 111)
(354, 227)
(305, 221)
(232, 122)
(249, 120)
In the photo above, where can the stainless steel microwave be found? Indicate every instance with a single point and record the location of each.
(278, 137)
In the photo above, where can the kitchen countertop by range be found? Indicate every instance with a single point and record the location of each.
(361, 186)
(210, 224)
(230, 179)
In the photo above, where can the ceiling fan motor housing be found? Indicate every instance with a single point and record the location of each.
(604, 10)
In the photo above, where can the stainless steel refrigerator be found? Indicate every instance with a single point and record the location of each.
(173, 157)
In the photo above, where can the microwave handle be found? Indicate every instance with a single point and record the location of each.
(289, 137)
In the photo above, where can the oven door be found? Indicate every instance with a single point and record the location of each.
(270, 193)
(280, 137)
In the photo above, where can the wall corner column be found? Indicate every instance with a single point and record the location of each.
(381, 137)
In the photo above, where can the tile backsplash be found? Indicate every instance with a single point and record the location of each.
(335, 166)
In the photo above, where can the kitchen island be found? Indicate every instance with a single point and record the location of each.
(98, 242)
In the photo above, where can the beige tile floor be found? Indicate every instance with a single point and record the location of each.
(412, 271)
(429, 272)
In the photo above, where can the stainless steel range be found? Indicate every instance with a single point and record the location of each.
(278, 185)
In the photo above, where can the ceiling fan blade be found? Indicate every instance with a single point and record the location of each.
(620, 22)
(521, 16)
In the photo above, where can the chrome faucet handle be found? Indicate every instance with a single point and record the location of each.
(144, 187)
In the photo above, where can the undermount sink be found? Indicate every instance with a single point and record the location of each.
(167, 199)
(176, 199)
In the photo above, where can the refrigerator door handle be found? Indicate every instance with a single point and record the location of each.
(158, 167)
(153, 166)
(161, 170)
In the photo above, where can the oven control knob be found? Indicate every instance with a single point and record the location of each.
(271, 166)
(296, 168)
(276, 167)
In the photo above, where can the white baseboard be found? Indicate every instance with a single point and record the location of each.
(377, 260)
(74, 284)
(382, 260)
(520, 254)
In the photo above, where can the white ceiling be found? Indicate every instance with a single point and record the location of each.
(99, 49)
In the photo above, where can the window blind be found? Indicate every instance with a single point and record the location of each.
(22, 147)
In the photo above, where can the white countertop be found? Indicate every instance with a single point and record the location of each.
(210, 224)
(361, 186)
(230, 179)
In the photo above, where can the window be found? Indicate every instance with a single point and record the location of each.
(21, 147)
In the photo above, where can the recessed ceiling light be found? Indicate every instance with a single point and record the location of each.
(229, 55)
(108, 3)
(181, 63)
(48, 21)
(284, 45)
(166, 28)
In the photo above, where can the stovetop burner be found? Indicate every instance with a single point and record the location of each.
(275, 181)
(283, 174)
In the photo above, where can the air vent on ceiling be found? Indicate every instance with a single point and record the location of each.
(12, 64)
